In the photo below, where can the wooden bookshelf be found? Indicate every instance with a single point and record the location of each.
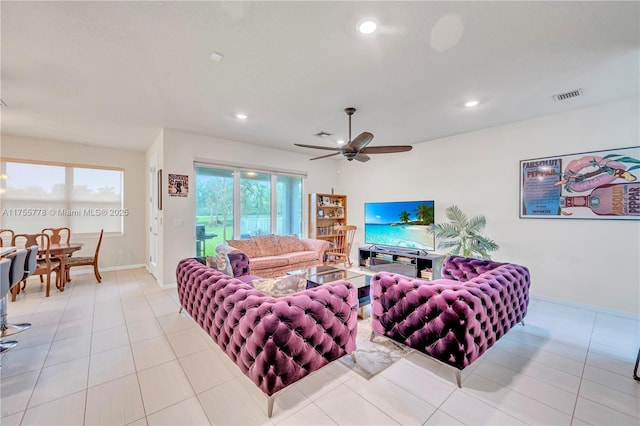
(326, 211)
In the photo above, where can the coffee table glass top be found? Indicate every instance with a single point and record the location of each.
(316, 270)
(338, 274)
(361, 281)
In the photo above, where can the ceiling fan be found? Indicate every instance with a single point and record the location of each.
(357, 148)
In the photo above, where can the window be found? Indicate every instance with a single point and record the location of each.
(41, 195)
(234, 203)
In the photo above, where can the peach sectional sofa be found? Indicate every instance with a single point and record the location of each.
(273, 255)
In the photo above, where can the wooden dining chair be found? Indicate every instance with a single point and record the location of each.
(6, 234)
(340, 250)
(45, 264)
(58, 235)
(86, 261)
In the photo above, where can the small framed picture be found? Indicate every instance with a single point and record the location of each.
(325, 201)
(320, 213)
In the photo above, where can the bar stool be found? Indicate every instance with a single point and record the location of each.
(5, 266)
(19, 271)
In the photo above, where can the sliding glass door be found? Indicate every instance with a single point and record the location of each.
(214, 208)
(234, 203)
(289, 205)
(255, 204)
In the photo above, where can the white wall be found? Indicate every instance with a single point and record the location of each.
(181, 149)
(594, 262)
(116, 251)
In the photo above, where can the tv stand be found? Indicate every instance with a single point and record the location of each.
(401, 260)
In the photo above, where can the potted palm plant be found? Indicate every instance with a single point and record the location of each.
(461, 236)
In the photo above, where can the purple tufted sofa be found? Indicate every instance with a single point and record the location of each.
(274, 341)
(454, 319)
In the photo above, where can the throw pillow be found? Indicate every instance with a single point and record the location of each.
(247, 246)
(283, 286)
(290, 243)
(221, 261)
(268, 245)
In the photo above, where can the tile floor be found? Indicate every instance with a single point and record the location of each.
(119, 353)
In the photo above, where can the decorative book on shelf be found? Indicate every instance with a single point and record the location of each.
(325, 212)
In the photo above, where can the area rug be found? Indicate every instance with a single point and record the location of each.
(373, 357)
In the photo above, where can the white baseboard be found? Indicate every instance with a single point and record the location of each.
(89, 269)
(585, 306)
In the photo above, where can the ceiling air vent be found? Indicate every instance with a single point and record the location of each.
(567, 95)
(322, 134)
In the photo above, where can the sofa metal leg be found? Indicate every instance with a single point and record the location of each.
(270, 405)
(373, 334)
(6, 328)
(7, 345)
(458, 379)
(353, 357)
(522, 323)
(180, 311)
(635, 369)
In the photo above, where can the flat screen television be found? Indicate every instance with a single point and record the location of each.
(399, 224)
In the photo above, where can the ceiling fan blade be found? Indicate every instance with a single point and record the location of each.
(361, 141)
(328, 148)
(324, 156)
(386, 149)
(362, 158)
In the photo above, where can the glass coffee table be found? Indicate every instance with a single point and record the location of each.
(315, 270)
(325, 274)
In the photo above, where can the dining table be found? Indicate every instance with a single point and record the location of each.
(4, 251)
(61, 251)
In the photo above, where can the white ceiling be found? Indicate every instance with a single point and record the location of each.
(115, 73)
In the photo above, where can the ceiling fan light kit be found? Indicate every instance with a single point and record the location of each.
(357, 148)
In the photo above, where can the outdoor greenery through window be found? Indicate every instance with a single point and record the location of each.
(236, 203)
(83, 198)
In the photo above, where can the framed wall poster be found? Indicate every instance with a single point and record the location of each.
(178, 185)
(588, 185)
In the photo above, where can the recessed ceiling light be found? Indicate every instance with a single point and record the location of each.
(340, 142)
(216, 57)
(367, 27)
(241, 116)
(471, 103)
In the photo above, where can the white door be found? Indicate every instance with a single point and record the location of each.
(153, 218)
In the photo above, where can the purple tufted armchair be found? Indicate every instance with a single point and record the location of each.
(454, 319)
(274, 341)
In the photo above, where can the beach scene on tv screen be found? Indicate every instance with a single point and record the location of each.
(400, 224)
